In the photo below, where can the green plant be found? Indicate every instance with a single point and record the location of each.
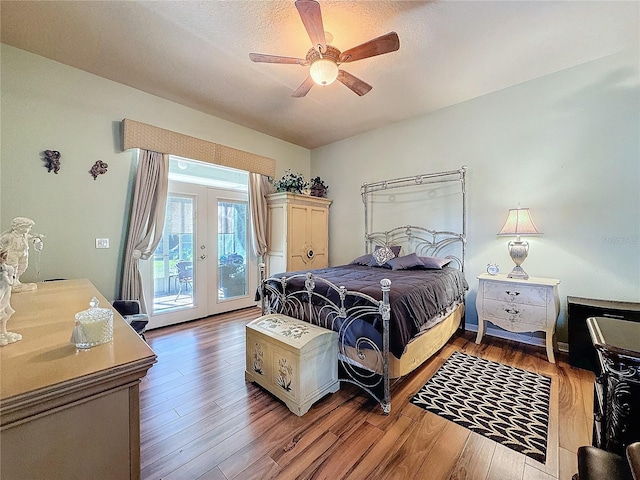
(291, 182)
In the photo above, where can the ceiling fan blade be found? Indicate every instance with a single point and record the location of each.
(304, 88)
(260, 57)
(384, 44)
(309, 11)
(354, 83)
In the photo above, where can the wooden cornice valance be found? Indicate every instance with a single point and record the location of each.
(148, 137)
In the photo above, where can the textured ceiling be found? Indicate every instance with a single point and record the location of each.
(196, 53)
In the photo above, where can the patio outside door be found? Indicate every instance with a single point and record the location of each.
(204, 264)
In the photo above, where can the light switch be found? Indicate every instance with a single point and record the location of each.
(102, 243)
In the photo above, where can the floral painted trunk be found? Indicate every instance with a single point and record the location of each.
(294, 360)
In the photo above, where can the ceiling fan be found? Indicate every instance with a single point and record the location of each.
(324, 59)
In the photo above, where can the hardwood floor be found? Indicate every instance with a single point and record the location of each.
(201, 420)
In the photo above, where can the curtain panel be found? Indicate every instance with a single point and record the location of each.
(259, 186)
(147, 220)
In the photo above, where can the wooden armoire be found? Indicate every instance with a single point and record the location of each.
(298, 227)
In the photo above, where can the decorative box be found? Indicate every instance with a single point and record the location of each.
(294, 360)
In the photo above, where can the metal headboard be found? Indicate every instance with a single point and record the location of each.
(420, 240)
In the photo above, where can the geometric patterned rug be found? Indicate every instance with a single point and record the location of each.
(505, 404)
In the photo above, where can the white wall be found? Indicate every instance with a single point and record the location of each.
(48, 105)
(566, 145)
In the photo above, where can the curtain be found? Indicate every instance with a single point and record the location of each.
(259, 186)
(147, 220)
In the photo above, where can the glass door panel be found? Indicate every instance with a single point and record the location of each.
(232, 249)
(174, 281)
(177, 278)
(233, 267)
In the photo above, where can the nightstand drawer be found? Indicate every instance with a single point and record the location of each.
(516, 293)
(515, 312)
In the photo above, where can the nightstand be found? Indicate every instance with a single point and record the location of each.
(519, 305)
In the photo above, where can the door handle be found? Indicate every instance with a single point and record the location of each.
(202, 257)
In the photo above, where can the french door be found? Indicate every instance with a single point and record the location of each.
(204, 263)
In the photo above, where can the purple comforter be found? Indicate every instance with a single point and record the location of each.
(416, 296)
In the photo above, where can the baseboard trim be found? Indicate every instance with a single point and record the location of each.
(528, 338)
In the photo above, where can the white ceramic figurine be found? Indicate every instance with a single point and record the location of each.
(15, 242)
(6, 282)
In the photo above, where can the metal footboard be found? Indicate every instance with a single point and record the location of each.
(333, 307)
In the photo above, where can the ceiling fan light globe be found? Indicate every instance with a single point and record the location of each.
(324, 71)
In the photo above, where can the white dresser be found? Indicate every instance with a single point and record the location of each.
(67, 413)
(518, 305)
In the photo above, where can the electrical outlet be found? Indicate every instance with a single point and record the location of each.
(102, 243)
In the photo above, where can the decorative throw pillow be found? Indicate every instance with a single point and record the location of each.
(434, 262)
(394, 248)
(363, 260)
(384, 254)
(403, 263)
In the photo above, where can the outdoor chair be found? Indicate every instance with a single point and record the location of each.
(185, 277)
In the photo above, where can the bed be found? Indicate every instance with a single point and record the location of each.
(393, 307)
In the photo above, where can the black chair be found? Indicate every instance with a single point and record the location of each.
(597, 464)
(130, 311)
(633, 457)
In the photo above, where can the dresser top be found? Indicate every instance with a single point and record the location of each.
(605, 304)
(502, 277)
(45, 360)
(618, 336)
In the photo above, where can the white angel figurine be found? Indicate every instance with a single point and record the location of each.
(6, 282)
(15, 242)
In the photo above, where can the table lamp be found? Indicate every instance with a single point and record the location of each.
(518, 223)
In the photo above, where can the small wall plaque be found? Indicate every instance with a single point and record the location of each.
(98, 168)
(52, 159)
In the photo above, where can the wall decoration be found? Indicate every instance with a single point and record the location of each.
(52, 159)
(98, 168)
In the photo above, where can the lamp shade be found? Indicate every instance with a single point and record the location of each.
(324, 71)
(519, 222)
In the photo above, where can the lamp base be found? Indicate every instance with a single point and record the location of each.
(518, 273)
(518, 250)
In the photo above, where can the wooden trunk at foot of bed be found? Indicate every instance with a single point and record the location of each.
(294, 360)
